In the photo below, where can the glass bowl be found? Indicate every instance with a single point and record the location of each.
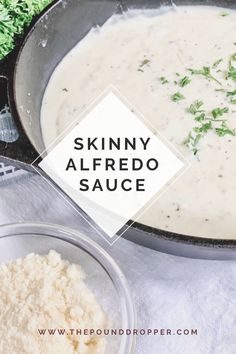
(104, 277)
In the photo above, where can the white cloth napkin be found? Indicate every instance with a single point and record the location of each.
(170, 292)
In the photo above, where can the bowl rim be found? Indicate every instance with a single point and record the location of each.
(95, 251)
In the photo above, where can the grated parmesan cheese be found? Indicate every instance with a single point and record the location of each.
(46, 292)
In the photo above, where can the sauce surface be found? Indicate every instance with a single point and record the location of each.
(147, 55)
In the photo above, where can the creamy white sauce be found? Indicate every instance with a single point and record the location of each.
(202, 201)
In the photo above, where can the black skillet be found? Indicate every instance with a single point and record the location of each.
(27, 70)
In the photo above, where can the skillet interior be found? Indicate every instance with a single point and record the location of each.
(54, 35)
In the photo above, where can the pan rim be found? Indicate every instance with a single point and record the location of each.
(179, 238)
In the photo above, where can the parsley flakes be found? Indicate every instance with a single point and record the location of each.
(184, 81)
(176, 97)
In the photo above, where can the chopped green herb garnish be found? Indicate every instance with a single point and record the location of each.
(192, 141)
(197, 139)
(218, 112)
(224, 13)
(206, 124)
(208, 121)
(219, 90)
(184, 81)
(231, 93)
(177, 97)
(144, 62)
(206, 72)
(231, 74)
(225, 130)
(203, 128)
(163, 80)
(201, 117)
(216, 63)
(195, 107)
(233, 57)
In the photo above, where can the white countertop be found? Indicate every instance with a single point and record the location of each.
(170, 292)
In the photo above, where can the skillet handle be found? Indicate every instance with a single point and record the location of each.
(14, 144)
